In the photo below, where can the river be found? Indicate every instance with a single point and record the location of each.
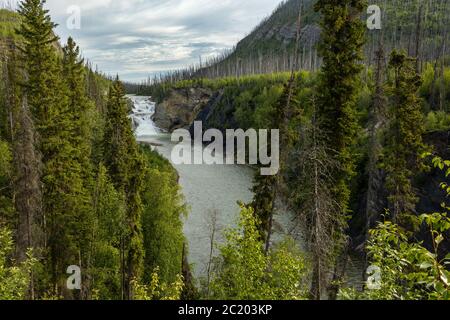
(208, 189)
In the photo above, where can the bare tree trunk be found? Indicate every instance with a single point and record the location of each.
(26, 163)
(376, 121)
(285, 119)
(316, 287)
(212, 237)
(418, 37)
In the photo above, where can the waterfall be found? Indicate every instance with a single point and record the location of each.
(143, 111)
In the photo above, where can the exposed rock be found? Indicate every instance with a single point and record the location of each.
(181, 107)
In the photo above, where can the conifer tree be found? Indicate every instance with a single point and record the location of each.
(79, 109)
(340, 47)
(65, 200)
(404, 144)
(264, 202)
(79, 105)
(125, 166)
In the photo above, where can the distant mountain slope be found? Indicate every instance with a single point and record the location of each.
(278, 31)
(97, 82)
(8, 22)
(270, 46)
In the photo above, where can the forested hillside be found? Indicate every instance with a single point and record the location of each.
(364, 123)
(75, 187)
(419, 27)
(361, 143)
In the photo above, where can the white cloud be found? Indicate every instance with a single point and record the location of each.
(137, 37)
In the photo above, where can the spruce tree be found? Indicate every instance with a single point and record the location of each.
(79, 105)
(404, 144)
(65, 200)
(340, 47)
(125, 165)
(264, 202)
(79, 109)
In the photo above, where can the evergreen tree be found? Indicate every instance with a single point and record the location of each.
(79, 105)
(79, 109)
(404, 144)
(65, 200)
(340, 47)
(125, 166)
(264, 202)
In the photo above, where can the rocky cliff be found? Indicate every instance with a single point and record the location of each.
(180, 108)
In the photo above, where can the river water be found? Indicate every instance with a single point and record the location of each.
(210, 190)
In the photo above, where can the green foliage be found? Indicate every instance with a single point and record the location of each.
(92, 175)
(404, 143)
(264, 201)
(5, 159)
(254, 83)
(244, 272)
(162, 219)
(342, 40)
(80, 108)
(158, 290)
(125, 166)
(14, 280)
(437, 121)
(409, 271)
(278, 111)
(65, 199)
(108, 230)
(8, 22)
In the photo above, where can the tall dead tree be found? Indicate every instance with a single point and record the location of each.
(419, 37)
(26, 163)
(317, 209)
(376, 122)
(283, 115)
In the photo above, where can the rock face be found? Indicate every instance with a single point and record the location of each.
(181, 107)
(426, 184)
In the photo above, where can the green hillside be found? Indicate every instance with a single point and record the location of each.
(270, 46)
(8, 22)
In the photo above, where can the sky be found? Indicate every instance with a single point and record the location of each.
(140, 38)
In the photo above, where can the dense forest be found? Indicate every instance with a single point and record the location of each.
(361, 143)
(75, 187)
(364, 118)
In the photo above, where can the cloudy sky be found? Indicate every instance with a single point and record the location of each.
(137, 38)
